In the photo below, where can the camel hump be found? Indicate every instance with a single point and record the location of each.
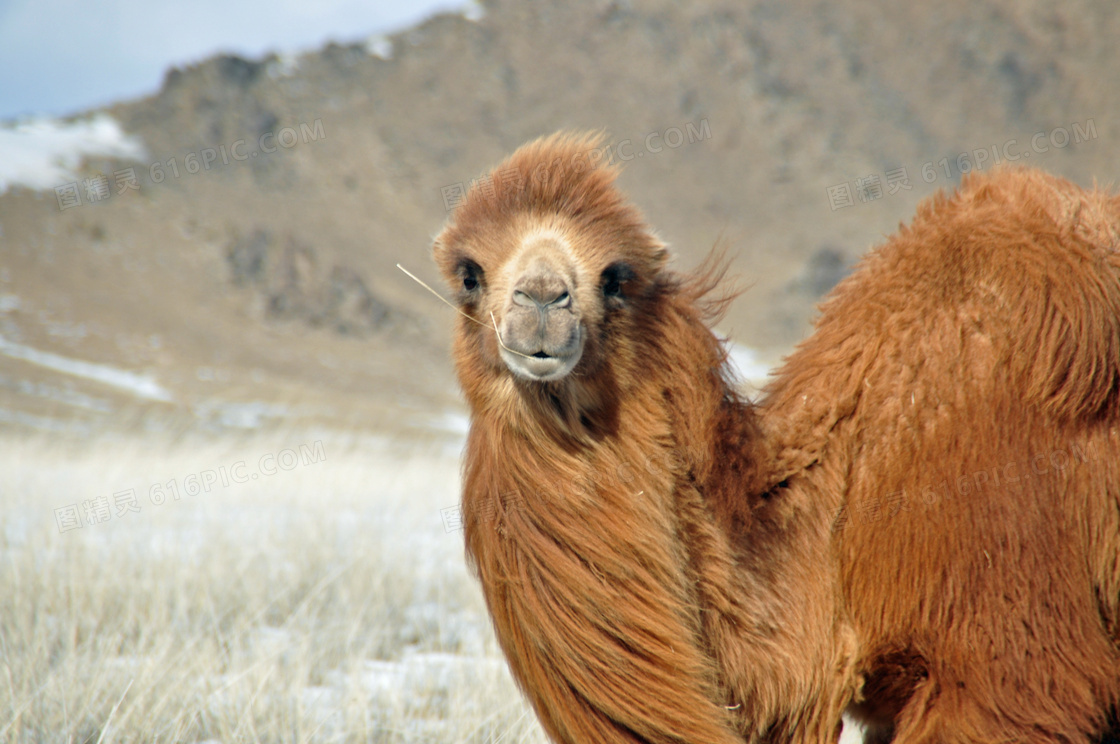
(1054, 251)
(1018, 271)
(1008, 287)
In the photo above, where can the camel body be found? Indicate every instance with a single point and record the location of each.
(919, 523)
(961, 394)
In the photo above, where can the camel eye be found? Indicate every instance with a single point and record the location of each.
(613, 277)
(470, 274)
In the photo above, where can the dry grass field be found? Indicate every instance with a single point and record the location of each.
(303, 587)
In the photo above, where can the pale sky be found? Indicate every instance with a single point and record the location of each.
(59, 57)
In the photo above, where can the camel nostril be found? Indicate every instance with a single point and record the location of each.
(545, 295)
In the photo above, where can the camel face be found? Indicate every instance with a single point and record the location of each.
(550, 284)
(545, 295)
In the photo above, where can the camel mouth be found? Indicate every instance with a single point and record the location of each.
(542, 366)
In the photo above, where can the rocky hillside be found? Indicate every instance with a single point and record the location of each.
(247, 264)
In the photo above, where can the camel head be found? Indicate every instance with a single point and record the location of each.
(551, 262)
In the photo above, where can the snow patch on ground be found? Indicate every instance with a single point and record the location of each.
(284, 66)
(131, 382)
(453, 422)
(747, 364)
(852, 732)
(420, 674)
(44, 153)
(19, 418)
(65, 394)
(240, 415)
(380, 45)
(473, 11)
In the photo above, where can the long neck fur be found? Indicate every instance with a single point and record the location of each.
(645, 581)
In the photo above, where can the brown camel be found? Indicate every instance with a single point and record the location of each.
(920, 523)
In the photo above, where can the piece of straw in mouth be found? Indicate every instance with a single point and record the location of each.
(442, 299)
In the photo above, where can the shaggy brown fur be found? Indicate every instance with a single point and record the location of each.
(961, 399)
(664, 562)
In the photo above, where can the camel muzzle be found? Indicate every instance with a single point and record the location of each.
(541, 335)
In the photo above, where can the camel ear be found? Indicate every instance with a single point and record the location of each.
(659, 253)
(444, 258)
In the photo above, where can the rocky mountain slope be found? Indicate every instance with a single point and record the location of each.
(247, 263)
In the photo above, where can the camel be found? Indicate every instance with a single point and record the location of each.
(918, 524)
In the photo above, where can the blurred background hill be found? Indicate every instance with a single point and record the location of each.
(229, 262)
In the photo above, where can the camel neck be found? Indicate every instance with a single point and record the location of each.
(592, 592)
